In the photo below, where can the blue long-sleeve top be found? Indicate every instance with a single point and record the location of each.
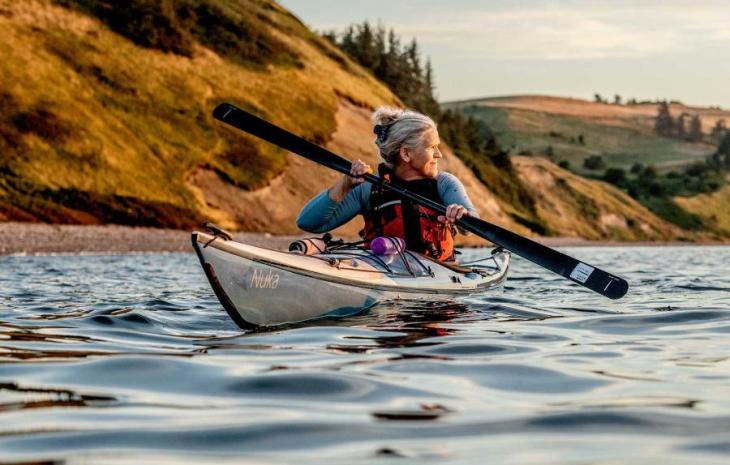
(322, 214)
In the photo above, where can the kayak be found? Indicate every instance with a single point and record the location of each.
(263, 287)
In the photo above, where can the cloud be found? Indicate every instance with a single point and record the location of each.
(584, 31)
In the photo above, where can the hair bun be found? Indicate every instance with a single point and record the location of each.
(384, 116)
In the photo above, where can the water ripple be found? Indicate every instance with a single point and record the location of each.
(130, 359)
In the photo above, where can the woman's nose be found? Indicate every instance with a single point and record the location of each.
(437, 153)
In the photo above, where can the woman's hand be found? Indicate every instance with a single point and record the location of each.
(349, 181)
(453, 213)
(357, 169)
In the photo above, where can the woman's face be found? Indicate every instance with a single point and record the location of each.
(422, 161)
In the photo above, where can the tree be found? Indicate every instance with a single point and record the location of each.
(723, 151)
(695, 129)
(597, 98)
(718, 131)
(617, 99)
(637, 168)
(614, 175)
(664, 124)
(649, 172)
(681, 126)
(594, 162)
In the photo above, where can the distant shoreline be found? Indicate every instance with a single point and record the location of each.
(45, 239)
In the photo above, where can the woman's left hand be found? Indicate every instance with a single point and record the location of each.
(453, 213)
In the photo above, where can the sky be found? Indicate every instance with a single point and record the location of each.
(646, 49)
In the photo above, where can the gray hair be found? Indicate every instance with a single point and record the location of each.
(396, 128)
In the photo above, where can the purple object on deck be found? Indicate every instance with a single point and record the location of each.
(387, 245)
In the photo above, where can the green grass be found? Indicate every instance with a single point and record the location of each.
(105, 124)
(532, 132)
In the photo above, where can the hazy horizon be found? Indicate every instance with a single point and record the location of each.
(675, 50)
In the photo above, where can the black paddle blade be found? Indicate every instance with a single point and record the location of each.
(579, 272)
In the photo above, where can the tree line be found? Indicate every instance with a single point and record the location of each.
(618, 100)
(665, 125)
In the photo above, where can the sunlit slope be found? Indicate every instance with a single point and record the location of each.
(101, 127)
(575, 129)
(714, 209)
(577, 207)
(95, 128)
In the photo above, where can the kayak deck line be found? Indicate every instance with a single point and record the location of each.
(263, 287)
(331, 277)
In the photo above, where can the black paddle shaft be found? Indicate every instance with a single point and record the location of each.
(582, 273)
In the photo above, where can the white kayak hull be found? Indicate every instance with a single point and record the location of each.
(263, 287)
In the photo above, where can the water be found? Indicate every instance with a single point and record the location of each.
(130, 359)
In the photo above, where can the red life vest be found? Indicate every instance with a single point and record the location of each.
(418, 226)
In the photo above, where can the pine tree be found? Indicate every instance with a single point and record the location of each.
(664, 125)
(681, 126)
(695, 129)
(723, 150)
(366, 47)
(718, 131)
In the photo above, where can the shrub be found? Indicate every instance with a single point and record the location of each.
(594, 162)
(697, 169)
(173, 26)
(565, 164)
(614, 175)
(43, 123)
(649, 172)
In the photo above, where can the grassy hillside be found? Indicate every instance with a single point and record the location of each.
(578, 207)
(103, 121)
(713, 209)
(664, 174)
(576, 129)
(105, 118)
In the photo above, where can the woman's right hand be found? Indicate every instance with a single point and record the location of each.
(349, 181)
(357, 169)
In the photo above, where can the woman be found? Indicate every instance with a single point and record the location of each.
(408, 144)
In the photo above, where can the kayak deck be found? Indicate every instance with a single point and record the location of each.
(263, 287)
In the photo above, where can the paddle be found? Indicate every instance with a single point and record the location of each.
(582, 273)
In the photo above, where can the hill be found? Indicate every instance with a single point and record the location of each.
(101, 126)
(575, 129)
(105, 118)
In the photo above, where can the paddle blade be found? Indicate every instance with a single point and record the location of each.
(579, 272)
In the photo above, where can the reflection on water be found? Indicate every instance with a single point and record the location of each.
(130, 359)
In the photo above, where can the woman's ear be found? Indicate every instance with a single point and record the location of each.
(404, 154)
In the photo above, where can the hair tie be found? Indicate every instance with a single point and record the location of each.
(381, 130)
